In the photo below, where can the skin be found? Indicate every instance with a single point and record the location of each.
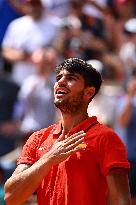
(24, 179)
(126, 114)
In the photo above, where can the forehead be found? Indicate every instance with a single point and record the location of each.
(63, 71)
(66, 72)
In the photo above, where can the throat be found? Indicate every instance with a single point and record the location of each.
(69, 121)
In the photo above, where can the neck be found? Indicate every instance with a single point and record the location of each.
(37, 14)
(69, 121)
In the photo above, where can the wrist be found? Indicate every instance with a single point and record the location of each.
(48, 160)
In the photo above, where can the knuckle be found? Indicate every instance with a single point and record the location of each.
(63, 144)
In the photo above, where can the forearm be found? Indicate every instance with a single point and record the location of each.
(121, 201)
(14, 55)
(26, 182)
(25, 179)
(118, 185)
(126, 114)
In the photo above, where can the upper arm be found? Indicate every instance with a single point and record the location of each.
(118, 186)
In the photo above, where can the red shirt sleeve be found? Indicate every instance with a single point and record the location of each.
(28, 155)
(111, 152)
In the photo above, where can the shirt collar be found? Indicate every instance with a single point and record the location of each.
(84, 125)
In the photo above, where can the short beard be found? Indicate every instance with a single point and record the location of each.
(72, 106)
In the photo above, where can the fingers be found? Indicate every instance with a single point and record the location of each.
(76, 145)
(74, 150)
(71, 137)
(61, 137)
(63, 148)
(74, 138)
(71, 142)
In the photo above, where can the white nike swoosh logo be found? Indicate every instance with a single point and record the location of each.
(42, 148)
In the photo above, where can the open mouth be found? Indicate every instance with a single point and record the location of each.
(61, 92)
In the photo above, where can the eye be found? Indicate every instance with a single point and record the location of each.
(70, 78)
(58, 78)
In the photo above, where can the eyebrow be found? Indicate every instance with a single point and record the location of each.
(70, 74)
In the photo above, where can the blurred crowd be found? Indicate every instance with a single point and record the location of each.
(34, 37)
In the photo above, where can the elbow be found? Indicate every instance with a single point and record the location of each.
(9, 199)
(12, 196)
(124, 200)
(9, 196)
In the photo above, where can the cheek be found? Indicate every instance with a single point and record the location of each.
(76, 87)
(55, 85)
(54, 88)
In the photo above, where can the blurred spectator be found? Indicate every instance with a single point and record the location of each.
(110, 91)
(8, 125)
(114, 69)
(36, 93)
(120, 12)
(7, 14)
(24, 35)
(126, 128)
(83, 33)
(60, 8)
(68, 43)
(124, 9)
(94, 39)
(128, 50)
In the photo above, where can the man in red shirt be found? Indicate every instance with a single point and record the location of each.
(78, 161)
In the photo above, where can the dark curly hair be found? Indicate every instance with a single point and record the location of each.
(75, 65)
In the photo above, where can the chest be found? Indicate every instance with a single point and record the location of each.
(81, 160)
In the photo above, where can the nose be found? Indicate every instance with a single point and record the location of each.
(62, 81)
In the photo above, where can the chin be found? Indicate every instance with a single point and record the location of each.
(62, 106)
(58, 103)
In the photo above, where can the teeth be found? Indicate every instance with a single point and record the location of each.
(61, 92)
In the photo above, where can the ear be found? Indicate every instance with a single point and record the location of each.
(89, 92)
